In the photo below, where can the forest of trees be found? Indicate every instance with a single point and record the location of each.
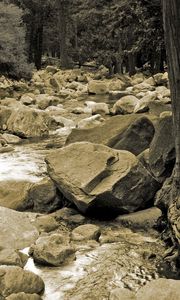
(121, 35)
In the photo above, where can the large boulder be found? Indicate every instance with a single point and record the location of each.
(98, 87)
(23, 296)
(15, 280)
(26, 122)
(16, 229)
(162, 149)
(97, 178)
(133, 133)
(162, 289)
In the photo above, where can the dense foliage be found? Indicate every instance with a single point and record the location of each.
(13, 59)
(121, 34)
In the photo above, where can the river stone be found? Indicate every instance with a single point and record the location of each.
(23, 296)
(14, 194)
(130, 132)
(125, 105)
(86, 232)
(52, 250)
(162, 150)
(10, 256)
(11, 138)
(46, 223)
(16, 230)
(143, 219)
(26, 122)
(15, 280)
(43, 196)
(5, 113)
(162, 289)
(96, 177)
(98, 87)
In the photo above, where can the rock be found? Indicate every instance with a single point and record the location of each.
(163, 196)
(90, 121)
(150, 81)
(98, 87)
(162, 288)
(143, 104)
(11, 102)
(14, 194)
(144, 219)
(69, 215)
(122, 294)
(162, 151)
(142, 87)
(116, 85)
(5, 148)
(43, 196)
(96, 178)
(26, 122)
(52, 250)
(97, 108)
(161, 78)
(10, 256)
(158, 106)
(125, 105)
(51, 69)
(11, 138)
(45, 100)
(86, 232)
(23, 296)
(28, 99)
(46, 223)
(133, 133)
(16, 229)
(162, 92)
(15, 280)
(5, 113)
(144, 158)
(116, 95)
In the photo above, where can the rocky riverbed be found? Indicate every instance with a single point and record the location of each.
(84, 160)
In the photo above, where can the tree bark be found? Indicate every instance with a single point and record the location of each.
(171, 19)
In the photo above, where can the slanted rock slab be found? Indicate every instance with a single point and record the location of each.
(95, 178)
(15, 280)
(162, 289)
(16, 230)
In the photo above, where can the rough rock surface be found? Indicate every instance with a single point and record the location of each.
(26, 122)
(96, 177)
(23, 296)
(98, 87)
(16, 229)
(15, 280)
(125, 105)
(86, 232)
(133, 133)
(52, 250)
(162, 151)
(14, 194)
(164, 289)
(143, 219)
(12, 257)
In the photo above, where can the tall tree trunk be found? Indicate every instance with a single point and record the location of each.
(38, 47)
(132, 63)
(171, 18)
(63, 22)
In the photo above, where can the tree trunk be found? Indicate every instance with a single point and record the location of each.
(132, 64)
(171, 18)
(38, 47)
(63, 21)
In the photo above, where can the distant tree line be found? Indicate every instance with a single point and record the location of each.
(121, 34)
